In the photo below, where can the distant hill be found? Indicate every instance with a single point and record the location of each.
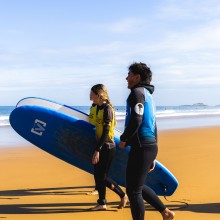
(199, 104)
(196, 104)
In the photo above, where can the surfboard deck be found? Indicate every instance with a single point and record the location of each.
(65, 132)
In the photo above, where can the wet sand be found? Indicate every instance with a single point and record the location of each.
(36, 185)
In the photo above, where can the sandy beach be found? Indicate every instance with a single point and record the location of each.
(36, 185)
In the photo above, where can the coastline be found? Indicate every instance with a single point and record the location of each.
(37, 185)
(9, 137)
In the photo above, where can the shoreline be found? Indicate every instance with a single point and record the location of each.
(36, 185)
(9, 137)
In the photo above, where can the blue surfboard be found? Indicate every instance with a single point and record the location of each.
(65, 132)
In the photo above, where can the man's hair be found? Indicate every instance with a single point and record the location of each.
(143, 70)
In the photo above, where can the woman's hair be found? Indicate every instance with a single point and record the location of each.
(143, 70)
(101, 90)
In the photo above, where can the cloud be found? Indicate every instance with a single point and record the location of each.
(126, 25)
(180, 40)
(188, 10)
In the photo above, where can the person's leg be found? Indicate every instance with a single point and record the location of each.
(111, 184)
(150, 197)
(95, 190)
(100, 173)
(139, 162)
(134, 187)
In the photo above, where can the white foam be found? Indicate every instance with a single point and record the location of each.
(4, 120)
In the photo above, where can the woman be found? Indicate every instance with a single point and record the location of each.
(103, 116)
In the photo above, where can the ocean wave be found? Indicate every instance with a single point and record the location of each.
(4, 121)
(189, 113)
(120, 118)
(160, 114)
(4, 125)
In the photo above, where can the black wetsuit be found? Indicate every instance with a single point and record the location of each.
(141, 134)
(107, 151)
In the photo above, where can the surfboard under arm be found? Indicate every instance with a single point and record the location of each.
(65, 132)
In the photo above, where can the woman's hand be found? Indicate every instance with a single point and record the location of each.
(122, 144)
(95, 157)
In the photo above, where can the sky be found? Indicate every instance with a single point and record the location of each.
(58, 49)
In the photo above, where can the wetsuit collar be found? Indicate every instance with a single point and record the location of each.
(102, 106)
(150, 88)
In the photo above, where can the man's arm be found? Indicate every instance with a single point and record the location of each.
(136, 102)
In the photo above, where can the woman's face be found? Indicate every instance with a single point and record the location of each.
(94, 97)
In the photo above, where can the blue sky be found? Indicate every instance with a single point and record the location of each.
(59, 49)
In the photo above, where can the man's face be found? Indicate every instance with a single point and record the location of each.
(132, 79)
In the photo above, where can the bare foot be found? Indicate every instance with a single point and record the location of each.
(123, 202)
(93, 192)
(167, 214)
(99, 208)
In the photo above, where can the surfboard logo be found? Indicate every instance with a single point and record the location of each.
(39, 127)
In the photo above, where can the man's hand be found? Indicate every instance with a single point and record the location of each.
(152, 166)
(122, 144)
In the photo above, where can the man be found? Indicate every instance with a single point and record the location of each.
(141, 134)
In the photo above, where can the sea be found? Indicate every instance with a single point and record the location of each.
(168, 118)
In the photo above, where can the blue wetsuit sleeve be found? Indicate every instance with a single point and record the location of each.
(136, 101)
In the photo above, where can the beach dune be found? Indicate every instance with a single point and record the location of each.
(36, 185)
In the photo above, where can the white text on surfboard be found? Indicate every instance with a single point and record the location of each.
(39, 127)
